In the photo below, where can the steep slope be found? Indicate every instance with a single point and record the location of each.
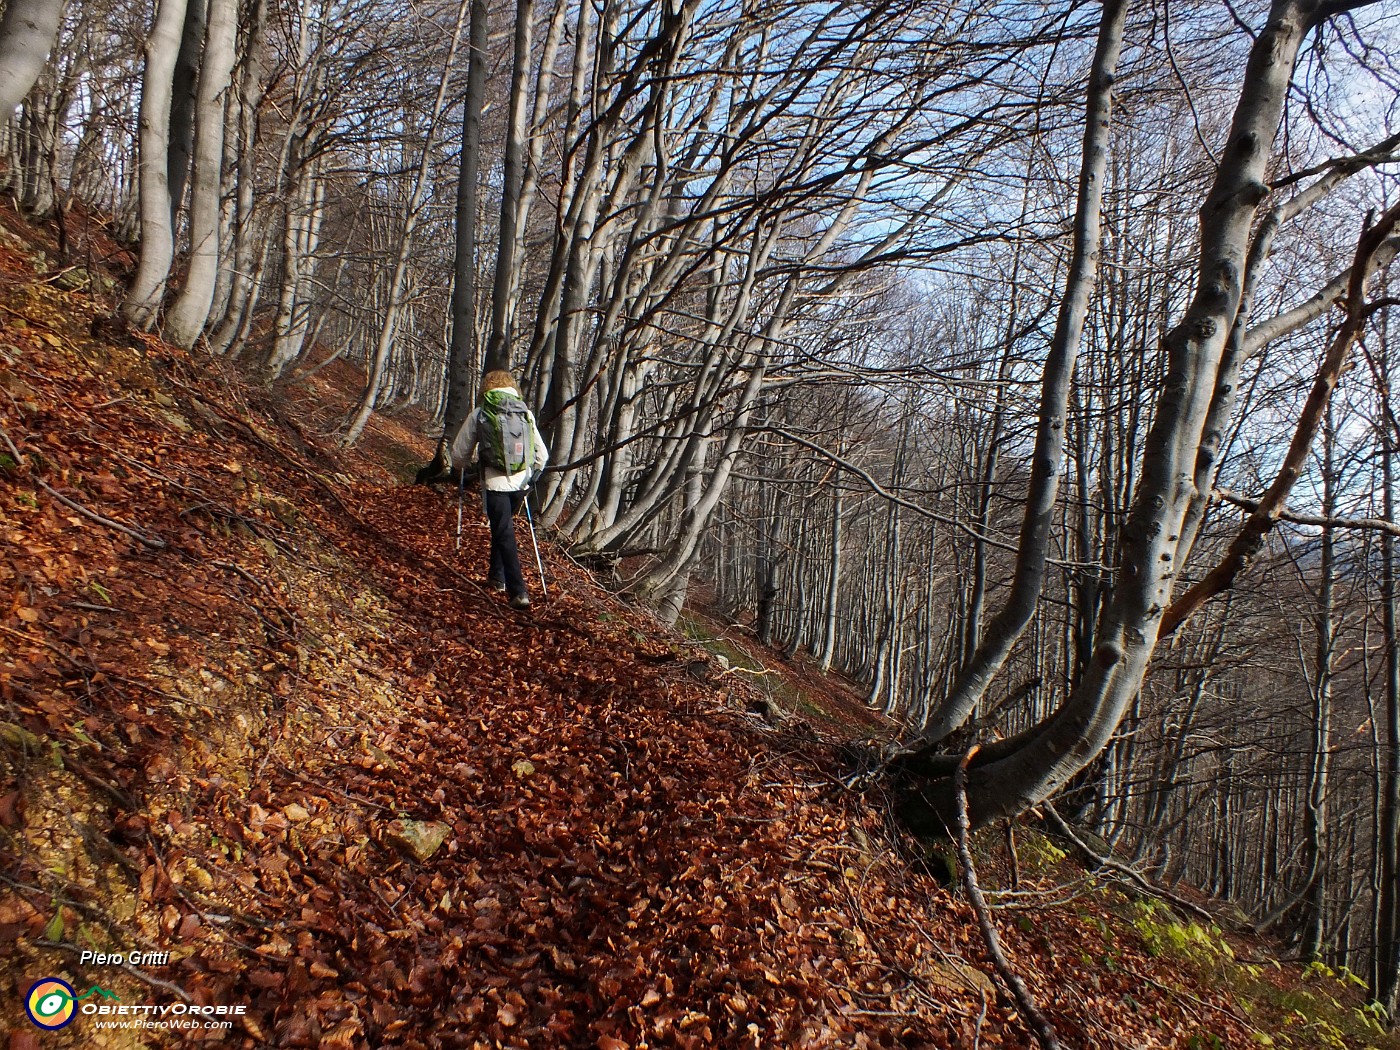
(258, 713)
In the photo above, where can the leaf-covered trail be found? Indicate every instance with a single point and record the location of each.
(212, 733)
(211, 739)
(628, 863)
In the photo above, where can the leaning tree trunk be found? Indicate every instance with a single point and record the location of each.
(28, 29)
(1048, 456)
(157, 235)
(187, 316)
(1021, 772)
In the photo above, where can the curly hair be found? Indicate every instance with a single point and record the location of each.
(497, 379)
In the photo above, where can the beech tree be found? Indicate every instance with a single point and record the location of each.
(147, 290)
(27, 32)
(1016, 774)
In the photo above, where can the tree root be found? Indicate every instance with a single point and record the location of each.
(1039, 1024)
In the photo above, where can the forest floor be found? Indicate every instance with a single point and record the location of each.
(259, 713)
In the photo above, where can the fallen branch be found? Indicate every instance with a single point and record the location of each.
(11, 445)
(1040, 1025)
(1131, 874)
(153, 543)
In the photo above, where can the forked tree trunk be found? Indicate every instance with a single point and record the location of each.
(1022, 771)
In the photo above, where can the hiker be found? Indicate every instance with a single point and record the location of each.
(512, 455)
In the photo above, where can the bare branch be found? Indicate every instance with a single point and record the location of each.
(1039, 1024)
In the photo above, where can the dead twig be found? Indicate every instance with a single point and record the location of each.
(1133, 876)
(11, 445)
(1039, 1024)
(154, 543)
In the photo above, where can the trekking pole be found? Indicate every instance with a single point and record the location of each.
(539, 562)
(461, 487)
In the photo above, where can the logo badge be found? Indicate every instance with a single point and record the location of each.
(51, 1003)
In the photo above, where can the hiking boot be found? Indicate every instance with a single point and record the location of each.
(499, 586)
(520, 601)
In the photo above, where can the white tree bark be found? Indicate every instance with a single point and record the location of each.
(28, 29)
(187, 316)
(157, 236)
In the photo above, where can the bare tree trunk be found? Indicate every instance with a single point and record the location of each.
(143, 300)
(1042, 489)
(461, 355)
(397, 282)
(184, 103)
(1022, 771)
(502, 306)
(28, 29)
(185, 320)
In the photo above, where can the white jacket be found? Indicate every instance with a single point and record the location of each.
(465, 444)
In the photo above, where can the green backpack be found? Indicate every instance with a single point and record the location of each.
(504, 432)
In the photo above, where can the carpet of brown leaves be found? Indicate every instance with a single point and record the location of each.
(230, 660)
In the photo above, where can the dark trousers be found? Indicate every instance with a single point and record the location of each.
(505, 560)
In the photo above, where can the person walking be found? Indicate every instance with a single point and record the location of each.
(503, 433)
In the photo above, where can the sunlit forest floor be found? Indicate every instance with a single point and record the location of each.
(259, 713)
